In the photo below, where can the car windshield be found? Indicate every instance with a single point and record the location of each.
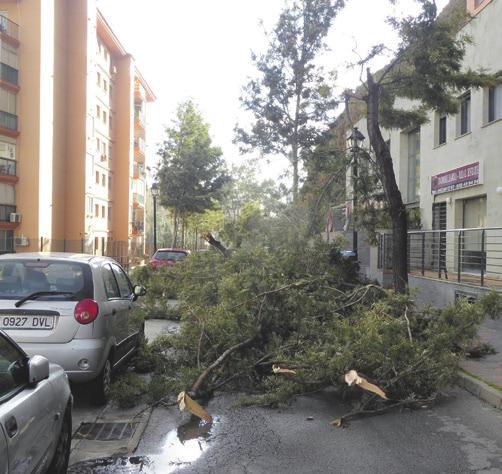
(170, 255)
(19, 278)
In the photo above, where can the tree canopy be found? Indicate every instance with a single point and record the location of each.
(191, 174)
(291, 99)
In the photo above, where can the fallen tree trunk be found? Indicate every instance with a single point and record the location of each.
(219, 361)
(215, 243)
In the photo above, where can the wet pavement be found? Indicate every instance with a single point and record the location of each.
(489, 367)
(458, 435)
(85, 413)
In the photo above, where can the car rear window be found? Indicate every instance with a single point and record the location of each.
(19, 278)
(170, 255)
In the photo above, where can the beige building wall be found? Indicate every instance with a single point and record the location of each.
(75, 151)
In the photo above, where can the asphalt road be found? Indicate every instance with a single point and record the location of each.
(458, 435)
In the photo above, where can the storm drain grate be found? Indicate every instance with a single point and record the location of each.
(105, 431)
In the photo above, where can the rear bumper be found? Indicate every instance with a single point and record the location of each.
(68, 355)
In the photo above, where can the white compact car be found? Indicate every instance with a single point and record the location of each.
(78, 311)
(35, 413)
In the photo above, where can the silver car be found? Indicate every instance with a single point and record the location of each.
(35, 413)
(78, 311)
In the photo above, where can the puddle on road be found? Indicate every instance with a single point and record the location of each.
(181, 447)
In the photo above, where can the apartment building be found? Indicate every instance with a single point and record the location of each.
(72, 130)
(450, 170)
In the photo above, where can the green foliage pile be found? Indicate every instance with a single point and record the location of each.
(161, 285)
(302, 307)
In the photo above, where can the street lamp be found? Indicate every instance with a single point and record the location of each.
(155, 194)
(355, 140)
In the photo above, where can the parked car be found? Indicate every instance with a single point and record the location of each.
(168, 257)
(35, 412)
(78, 311)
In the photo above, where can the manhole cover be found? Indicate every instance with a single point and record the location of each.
(105, 431)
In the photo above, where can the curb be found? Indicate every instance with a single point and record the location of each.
(480, 389)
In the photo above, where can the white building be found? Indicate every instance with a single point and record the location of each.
(451, 168)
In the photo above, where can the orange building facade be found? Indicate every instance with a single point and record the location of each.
(72, 132)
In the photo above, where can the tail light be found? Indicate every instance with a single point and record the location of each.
(86, 311)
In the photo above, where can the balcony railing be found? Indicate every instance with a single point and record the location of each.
(138, 198)
(9, 74)
(8, 121)
(5, 212)
(7, 167)
(9, 28)
(138, 227)
(470, 256)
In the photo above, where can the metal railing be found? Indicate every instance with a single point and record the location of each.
(472, 256)
(8, 120)
(9, 74)
(5, 212)
(7, 167)
(9, 27)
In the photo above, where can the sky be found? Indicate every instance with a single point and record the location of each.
(200, 49)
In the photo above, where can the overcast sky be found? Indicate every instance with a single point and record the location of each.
(200, 49)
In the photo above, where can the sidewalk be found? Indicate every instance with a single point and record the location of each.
(483, 377)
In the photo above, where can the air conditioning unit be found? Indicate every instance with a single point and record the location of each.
(21, 241)
(15, 217)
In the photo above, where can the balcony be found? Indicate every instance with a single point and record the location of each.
(8, 122)
(137, 227)
(7, 167)
(138, 200)
(9, 74)
(5, 212)
(9, 31)
(138, 171)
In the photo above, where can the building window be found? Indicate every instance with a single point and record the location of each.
(110, 122)
(96, 210)
(494, 103)
(97, 177)
(7, 194)
(90, 204)
(442, 129)
(98, 111)
(6, 241)
(109, 182)
(99, 80)
(105, 85)
(104, 117)
(465, 114)
(7, 101)
(9, 55)
(98, 144)
(103, 212)
(109, 214)
(414, 165)
(103, 180)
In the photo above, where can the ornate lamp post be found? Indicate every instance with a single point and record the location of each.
(155, 194)
(355, 140)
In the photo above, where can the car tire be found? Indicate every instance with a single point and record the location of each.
(59, 463)
(101, 385)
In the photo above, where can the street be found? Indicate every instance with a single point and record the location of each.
(458, 435)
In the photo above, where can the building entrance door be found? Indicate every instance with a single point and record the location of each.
(473, 247)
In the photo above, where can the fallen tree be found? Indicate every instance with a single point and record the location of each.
(279, 324)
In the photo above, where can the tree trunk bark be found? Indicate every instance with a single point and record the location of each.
(175, 228)
(393, 197)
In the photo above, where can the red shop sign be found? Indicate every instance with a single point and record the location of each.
(459, 178)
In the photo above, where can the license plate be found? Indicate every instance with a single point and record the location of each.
(26, 322)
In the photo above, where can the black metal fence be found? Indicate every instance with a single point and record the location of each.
(471, 256)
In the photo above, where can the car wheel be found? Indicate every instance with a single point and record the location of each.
(102, 384)
(59, 463)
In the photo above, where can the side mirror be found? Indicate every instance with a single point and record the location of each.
(139, 291)
(38, 369)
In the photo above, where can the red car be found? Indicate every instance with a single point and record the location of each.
(168, 257)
